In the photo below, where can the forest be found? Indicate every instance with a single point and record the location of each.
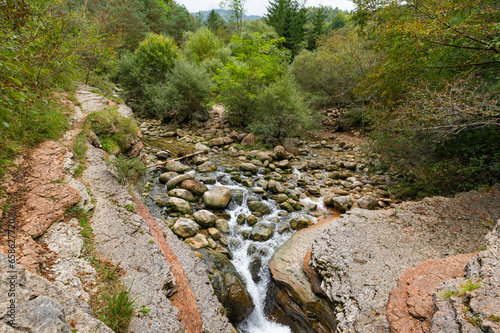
(419, 78)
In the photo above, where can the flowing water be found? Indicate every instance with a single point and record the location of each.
(245, 250)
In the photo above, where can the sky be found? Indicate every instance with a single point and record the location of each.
(258, 7)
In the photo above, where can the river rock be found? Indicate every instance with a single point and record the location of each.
(185, 228)
(194, 186)
(214, 233)
(248, 141)
(217, 198)
(206, 167)
(220, 141)
(240, 219)
(262, 232)
(340, 203)
(201, 147)
(181, 193)
(237, 196)
(367, 202)
(252, 220)
(197, 242)
(264, 156)
(298, 224)
(205, 218)
(222, 225)
(248, 167)
(166, 176)
(284, 164)
(259, 206)
(233, 152)
(228, 285)
(179, 205)
(275, 187)
(280, 152)
(176, 166)
(173, 182)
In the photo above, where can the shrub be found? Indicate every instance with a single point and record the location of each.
(281, 110)
(116, 133)
(184, 93)
(118, 310)
(128, 169)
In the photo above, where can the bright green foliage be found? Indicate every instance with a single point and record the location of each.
(203, 45)
(119, 309)
(128, 169)
(183, 95)
(264, 30)
(339, 20)
(280, 110)
(257, 64)
(331, 74)
(288, 18)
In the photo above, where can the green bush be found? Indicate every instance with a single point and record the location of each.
(151, 63)
(116, 133)
(280, 110)
(183, 94)
(128, 169)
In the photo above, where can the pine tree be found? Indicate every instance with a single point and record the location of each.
(288, 17)
(318, 18)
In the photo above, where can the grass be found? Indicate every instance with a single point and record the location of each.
(144, 310)
(469, 285)
(130, 208)
(128, 169)
(79, 151)
(111, 302)
(449, 293)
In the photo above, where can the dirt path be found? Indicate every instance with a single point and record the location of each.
(184, 299)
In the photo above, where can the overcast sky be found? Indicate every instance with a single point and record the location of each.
(258, 7)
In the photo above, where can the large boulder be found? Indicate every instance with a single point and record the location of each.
(181, 193)
(179, 205)
(207, 167)
(249, 167)
(259, 206)
(280, 152)
(205, 218)
(194, 186)
(248, 140)
(197, 242)
(262, 232)
(174, 182)
(368, 202)
(275, 187)
(339, 203)
(176, 166)
(166, 176)
(185, 228)
(228, 285)
(217, 198)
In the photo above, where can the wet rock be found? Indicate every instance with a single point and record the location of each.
(280, 152)
(205, 218)
(217, 198)
(248, 141)
(240, 219)
(181, 193)
(264, 156)
(282, 197)
(298, 224)
(341, 204)
(233, 152)
(258, 206)
(284, 164)
(207, 167)
(367, 202)
(252, 220)
(222, 225)
(185, 228)
(262, 232)
(248, 167)
(228, 285)
(314, 191)
(174, 182)
(287, 206)
(195, 187)
(179, 205)
(207, 180)
(237, 196)
(201, 147)
(197, 242)
(214, 233)
(200, 159)
(255, 265)
(176, 166)
(275, 187)
(166, 176)
(247, 182)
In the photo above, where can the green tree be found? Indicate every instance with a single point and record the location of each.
(288, 18)
(236, 11)
(257, 63)
(179, 21)
(317, 17)
(215, 21)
